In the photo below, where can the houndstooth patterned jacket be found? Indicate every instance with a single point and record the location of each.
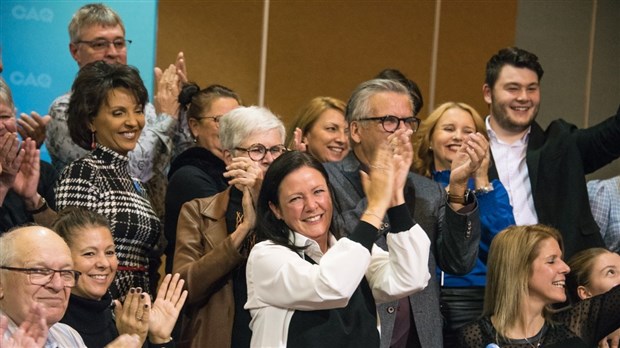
(101, 182)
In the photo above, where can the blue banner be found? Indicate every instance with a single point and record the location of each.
(35, 48)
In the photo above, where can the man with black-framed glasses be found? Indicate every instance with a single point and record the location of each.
(36, 277)
(376, 109)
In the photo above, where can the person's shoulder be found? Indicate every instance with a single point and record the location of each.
(61, 103)
(423, 183)
(85, 166)
(66, 336)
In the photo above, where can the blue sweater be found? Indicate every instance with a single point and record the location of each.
(495, 215)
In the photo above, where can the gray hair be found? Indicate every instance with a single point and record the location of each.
(6, 97)
(240, 123)
(7, 249)
(91, 14)
(358, 106)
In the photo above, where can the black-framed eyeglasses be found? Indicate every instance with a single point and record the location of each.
(103, 44)
(390, 123)
(257, 152)
(42, 276)
(215, 118)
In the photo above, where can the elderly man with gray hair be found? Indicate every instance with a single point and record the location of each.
(376, 109)
(36, 277)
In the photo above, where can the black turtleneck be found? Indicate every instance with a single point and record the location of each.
(92, 319)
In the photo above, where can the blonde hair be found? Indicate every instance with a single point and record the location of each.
(423, 162)
(310, 113)
(511, 255)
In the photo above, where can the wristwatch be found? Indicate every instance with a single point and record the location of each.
(42, 207)
(464, 199)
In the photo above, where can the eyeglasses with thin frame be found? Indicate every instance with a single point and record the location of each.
(103, 44)
(257, 152)
(42, 276)
(215, 118)
(390, 123)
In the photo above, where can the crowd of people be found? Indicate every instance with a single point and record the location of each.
(362, 225)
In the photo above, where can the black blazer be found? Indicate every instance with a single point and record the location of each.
(558, 159)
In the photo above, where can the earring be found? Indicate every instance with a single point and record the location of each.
(93, 143)
(430, 148)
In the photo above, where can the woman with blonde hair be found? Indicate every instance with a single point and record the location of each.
(438, 141)
(526, 277)
(321, 130)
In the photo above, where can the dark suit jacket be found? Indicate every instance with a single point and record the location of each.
(13, 210)
(454, 241)
(558, 159)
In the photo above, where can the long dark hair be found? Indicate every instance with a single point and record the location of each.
(268, 226)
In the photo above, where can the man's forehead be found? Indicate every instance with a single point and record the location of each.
(97, 30)
(42, 249)
(382, 101)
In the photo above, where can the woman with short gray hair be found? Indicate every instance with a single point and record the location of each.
(215, 234)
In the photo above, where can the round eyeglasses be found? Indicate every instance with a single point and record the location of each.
(42, 276)
(390, 123)
(257, 152)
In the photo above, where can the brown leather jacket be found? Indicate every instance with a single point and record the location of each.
(205, 257)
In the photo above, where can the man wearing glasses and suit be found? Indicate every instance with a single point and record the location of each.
(376, 109)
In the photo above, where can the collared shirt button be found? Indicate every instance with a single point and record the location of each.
(391, 309)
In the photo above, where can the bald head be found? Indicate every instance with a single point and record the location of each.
(33, 247)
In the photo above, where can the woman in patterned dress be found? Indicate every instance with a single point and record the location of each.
(106, 115)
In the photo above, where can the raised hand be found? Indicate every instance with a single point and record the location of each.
(166, 309)
(167, 97)
(32, 333)
(132, 316)
(181, 69)
(481, 176)
(379, 184)
(469, 158)
(26, 180)
(243, 171)
(400, 144)
(33, 126)
(297, 138)
(11, 157)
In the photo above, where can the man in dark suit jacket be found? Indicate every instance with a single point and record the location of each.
(377, 108)
(543, 170)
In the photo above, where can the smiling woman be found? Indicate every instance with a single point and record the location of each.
(90, 305)
(321, 129)
(106, 116)
(526, 276)
(308, 289)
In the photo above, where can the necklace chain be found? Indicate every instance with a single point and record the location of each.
(530, 343)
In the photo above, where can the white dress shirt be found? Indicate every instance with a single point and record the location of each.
(511, 165)
(280, 281)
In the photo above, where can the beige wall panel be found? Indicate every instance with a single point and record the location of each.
(328, 48)
(470, 33)
(221, 41)
(559, 32)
